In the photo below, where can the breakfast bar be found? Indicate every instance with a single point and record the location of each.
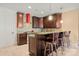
(39, 46)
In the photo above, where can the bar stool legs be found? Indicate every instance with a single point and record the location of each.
(50, 49)
(45, 49)
(62, 47)
(56, 49)
(55, 42)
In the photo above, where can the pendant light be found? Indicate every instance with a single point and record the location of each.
(50, 17)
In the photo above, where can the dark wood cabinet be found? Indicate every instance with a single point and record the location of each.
(22, 38)
(48, 23)
(54, 23)
(32, 46)
(44, 22)
(58, 18)
(19, 20)
(37, 22)
(35, 45)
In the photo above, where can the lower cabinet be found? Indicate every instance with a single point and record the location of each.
(35, 46)
(32, 46)
(22, 38)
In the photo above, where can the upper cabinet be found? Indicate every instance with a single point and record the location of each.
(54, 23)
(48, 23)
(37, 22)
(58, 17)
(19, 20)
(44, 22)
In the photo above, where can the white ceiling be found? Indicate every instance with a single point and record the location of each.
(38, 7)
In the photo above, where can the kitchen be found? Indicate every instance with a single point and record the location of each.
(34, 25)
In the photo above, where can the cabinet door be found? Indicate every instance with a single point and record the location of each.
(48, 23)
(32, 46)
(8, 28)
(37, 22)
(41, 23)
(19, 20)
(58, 20)
(22, 39)
(54, 23)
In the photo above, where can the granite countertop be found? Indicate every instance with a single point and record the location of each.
(42, 33)
(48, 32)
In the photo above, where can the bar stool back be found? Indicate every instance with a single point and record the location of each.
(53, 44)
(48, 45)
(61, 41)
(66, 38)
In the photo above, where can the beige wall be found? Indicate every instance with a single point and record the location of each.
(70, 22)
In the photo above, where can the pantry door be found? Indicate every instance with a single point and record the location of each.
(7, 27)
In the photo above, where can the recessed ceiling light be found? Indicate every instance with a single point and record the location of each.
(50, 17)
(29, 7)
(42, 12)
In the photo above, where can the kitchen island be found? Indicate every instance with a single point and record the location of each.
(36, 44)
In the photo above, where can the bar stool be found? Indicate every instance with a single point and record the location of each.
(49, 50)
(66, 38)
(51, 43)
(48, 46)
(55, 42)
(61, 41)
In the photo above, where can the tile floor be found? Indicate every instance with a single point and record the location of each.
(23, 51)
(15, 51)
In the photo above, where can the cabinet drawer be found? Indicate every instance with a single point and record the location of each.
(22, 39)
